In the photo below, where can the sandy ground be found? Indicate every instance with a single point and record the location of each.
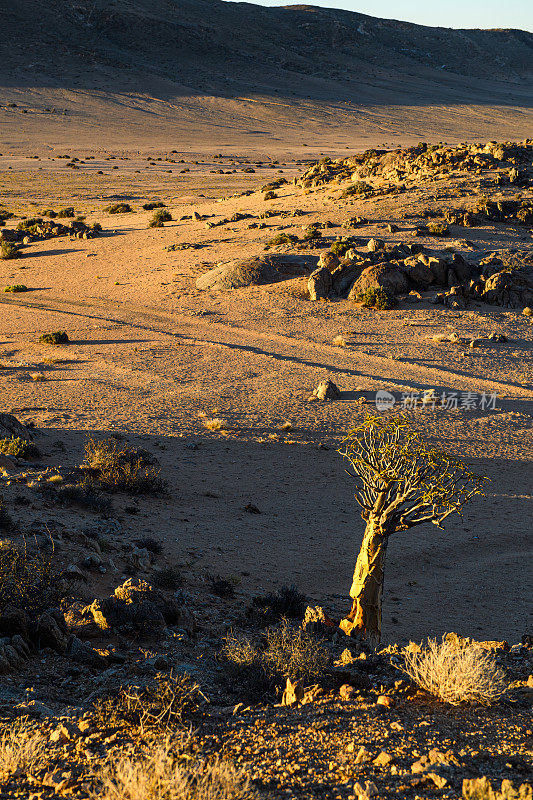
(152, 357)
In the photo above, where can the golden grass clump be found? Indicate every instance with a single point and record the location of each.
(21, 749)
(162, 777)
(215, 424)
(456, 673)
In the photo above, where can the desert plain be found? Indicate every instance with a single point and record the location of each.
(247, 516)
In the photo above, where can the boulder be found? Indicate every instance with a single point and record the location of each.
(344, 277)
(135, 606)
(14, 622)
(51, 630)
(392, 279)
(329, 260)
(252, 271)
(319, 284)
(419, 273)
(11, 427)
(438, 268)
(509, 289)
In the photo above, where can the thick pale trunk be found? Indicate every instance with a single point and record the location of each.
(367, 585)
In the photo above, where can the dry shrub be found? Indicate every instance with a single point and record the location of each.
(293, 653)
(164, 705)
(28, 580)
(289, 652)
(21, 749)
(161, 777)
(121, 468)
(215, 424)
(456, 673)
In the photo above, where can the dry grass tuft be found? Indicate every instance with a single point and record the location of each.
(215, 424)
(21, 749)
(456, 674)
(161, 777)
(121, 468)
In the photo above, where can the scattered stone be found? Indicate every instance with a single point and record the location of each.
(383, 759)
(347, 692)
(326, 390)
(293, 693)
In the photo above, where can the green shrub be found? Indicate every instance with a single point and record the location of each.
(151, 206)
(121, 468)
(282, 238)
(58, 337)
(341, 247)
(16, 287)
(29, 223)
(18, 448)
(438, 229)
(66, 213)
(376, 298)
(9, 250)
(311, 233)
(270, 195)
(118, 208)
(360, 187)
(159, 217)
(49, 212)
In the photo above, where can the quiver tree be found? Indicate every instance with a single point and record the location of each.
(400, 482)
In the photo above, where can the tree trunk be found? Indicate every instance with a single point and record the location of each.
(367, 584)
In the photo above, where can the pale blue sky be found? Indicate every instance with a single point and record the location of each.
(447, 13)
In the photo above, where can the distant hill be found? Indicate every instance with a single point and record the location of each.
(177, 50)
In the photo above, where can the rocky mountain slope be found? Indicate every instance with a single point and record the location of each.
(219, 60)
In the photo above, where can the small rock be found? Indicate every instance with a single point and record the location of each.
(363, 756)
(327, 390)
(385, 700)
(383, 759)
(375, 244)
(347, 692)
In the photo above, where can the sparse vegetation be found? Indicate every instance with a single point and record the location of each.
(282, 238)
(18, 447)
(168, 578)
(9, 250)
(66, 213)
(285, 602)
(215, 424)
(341, 247)
(118, 208)
(164, 704)
(438, 229)
(160, 776)
(455, 672)
(159, 217)
(270, 195)
(358, 188)
(286, 651)
(376, 298)
(22, 748)
(121, 468)
(28, 578)
(57, 337)
(153, 205)
(15, 288)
